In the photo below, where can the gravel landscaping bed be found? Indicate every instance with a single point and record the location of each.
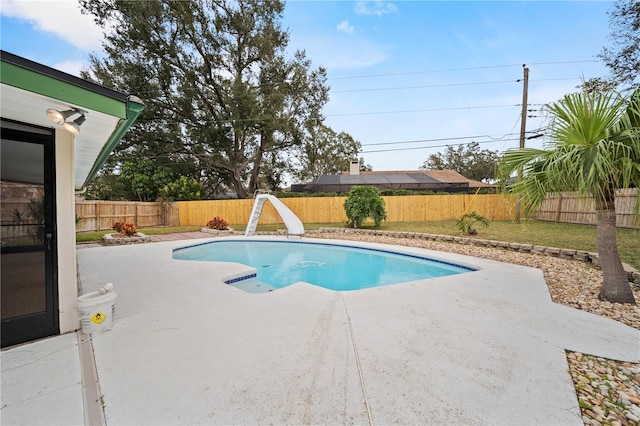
(608, 391)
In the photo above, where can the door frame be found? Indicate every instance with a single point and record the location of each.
(42, 324)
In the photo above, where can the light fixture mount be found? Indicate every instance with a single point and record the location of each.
(61, 117)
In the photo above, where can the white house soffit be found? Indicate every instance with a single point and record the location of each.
(27, 107)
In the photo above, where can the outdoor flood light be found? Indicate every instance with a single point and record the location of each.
(60, 117)
(74, 127)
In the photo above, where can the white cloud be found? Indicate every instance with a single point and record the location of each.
(345, 27)
(60, 17)
(377, 7)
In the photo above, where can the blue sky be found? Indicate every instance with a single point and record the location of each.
(406, 77)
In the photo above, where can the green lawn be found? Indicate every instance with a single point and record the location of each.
(562, 235)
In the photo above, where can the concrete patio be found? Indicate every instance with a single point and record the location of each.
(486, 347)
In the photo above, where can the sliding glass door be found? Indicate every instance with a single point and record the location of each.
(28, 282)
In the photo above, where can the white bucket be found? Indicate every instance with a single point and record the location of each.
(97, 310)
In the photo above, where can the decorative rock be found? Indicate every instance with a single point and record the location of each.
(552, 251)
(633, 418)
(217, 231)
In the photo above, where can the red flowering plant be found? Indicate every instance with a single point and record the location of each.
(218, 223)
(117, 226)
(126, 229)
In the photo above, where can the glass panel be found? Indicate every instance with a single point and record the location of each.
(22, 237)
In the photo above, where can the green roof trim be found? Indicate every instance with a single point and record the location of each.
(134, 109)
(40, 79)
(45, 85)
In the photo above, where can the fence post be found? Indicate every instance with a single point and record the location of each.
(97, 207)
(559, 209)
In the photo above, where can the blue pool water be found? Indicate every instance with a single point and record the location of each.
(332, 266)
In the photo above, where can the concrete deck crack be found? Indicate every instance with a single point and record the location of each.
(357, 358)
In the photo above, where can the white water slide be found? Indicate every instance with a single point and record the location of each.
(291, 221)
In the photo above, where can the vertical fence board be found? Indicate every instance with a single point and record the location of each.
(410, 208)
(101, 215)
(569, 207)
(559, 207)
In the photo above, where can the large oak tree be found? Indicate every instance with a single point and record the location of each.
(623, 55)
(221, 92)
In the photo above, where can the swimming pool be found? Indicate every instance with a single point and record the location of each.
(336, 267)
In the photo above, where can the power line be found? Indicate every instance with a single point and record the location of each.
(512, 129)
(425, 86)
(431, 146)
(478, 83)
(493, 139)
(459, 69)
(420, 110)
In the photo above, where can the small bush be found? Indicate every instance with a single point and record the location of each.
(364, 202)
(466, 222)
(128, 229)
(183, 189)
(117, 226)
(218, 223)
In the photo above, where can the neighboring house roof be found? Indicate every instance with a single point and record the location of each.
(450, 176)
(453, 176)
(415, 180)
(28, 89)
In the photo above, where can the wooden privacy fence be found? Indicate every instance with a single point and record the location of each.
(100, 215)
(564, 207)
(569, 207)
(409, 208)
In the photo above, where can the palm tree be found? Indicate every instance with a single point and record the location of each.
(594, 150)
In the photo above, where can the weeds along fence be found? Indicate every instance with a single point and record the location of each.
(408, 208)
(569, 207)
(100, 215)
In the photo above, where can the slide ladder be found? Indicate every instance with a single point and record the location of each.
(291, 221)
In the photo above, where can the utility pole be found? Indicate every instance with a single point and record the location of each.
(523, 129)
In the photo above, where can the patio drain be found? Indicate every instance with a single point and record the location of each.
(92, 398)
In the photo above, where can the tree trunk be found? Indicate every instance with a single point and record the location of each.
(238, 186)
(615, 284)
(257, 164)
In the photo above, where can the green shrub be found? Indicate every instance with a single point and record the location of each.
(466, 222)
(183, 189)
(364, 202)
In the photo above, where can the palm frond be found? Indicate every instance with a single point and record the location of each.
(595, 147)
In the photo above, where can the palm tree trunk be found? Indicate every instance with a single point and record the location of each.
(615, 284)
